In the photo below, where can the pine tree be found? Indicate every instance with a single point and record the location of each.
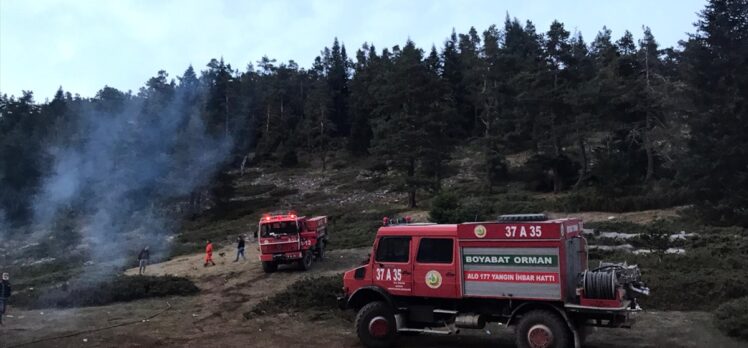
(410, 121)
(366, 68)
(716, 167)
(318, 127)
(338, 75)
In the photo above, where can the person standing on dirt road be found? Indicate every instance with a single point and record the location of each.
(143, 258)
(240, 249)
(4, 294)
(209, 254)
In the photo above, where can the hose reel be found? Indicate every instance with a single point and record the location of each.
(599, 284)
(603, 282)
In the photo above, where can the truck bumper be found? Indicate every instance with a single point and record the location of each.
(282, 257)
(624, 316)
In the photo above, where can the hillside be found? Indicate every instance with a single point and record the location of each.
(357, 198)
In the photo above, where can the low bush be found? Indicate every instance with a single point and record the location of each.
(449, 207)
(445, 208)
(83, 293)
(594, 200)
(616, 226)
(308, 293)
(255, 190)
(732, 317)
(701, 279)
(289, 158)
(353, 229)
(531, 206)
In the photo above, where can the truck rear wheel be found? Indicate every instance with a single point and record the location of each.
(306, 260)
(542, 329)
(375, 325)
(269, 266)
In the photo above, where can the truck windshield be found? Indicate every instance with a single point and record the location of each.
(281, 227)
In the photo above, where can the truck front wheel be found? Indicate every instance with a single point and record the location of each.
(306, 260)
(375, 325)
(542, 329)
(269, 266)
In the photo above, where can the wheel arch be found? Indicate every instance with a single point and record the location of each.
(368, 294)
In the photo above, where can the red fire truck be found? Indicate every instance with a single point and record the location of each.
(285, 237)
(523, 271)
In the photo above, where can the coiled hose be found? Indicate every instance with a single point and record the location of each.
(600, 285)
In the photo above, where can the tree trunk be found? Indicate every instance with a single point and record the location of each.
(411, 188)
(267, 121)
(489, 165)
(244, 163)
(650, 155)
(557, 184)
(647, 126)
(227, 115)
(583, 155)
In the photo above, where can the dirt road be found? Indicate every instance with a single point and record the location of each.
(214, 318)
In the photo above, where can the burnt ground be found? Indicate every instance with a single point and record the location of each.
(214, 317)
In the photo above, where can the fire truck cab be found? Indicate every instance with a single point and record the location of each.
(522, 270)
(285, 237)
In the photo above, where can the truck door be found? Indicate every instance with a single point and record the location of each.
(435, 269)
(392, 267)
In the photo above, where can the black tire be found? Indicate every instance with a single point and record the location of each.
(269, 266)
(364, 319)
(542, 321)
(321, 250)
(306, 261)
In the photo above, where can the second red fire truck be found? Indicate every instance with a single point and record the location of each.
(285, 237)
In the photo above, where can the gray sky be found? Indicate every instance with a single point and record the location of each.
(85, 44)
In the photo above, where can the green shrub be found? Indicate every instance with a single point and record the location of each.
(308, 293)
(83, 293)
(255, 190)
(447, 207)
(289, 158)
(519, 207)
(732, 317)
(354, 228)
(594, 200)
(701, 279)
(536, 172)
(616, 226)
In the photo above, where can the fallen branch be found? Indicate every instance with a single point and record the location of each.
(77, 333)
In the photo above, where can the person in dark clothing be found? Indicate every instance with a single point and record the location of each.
(240, 249)
(143, 258)
(5, 292)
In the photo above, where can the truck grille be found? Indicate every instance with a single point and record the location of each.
(278, 248)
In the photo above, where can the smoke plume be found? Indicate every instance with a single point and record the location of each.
(124, 165)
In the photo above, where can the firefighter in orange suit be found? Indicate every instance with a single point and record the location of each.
(209, 254)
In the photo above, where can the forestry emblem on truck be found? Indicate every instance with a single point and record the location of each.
(480, 231)
(434, 279)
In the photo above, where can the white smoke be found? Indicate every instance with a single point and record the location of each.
(124, 166)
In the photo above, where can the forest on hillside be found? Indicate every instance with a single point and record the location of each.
(610, 116)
